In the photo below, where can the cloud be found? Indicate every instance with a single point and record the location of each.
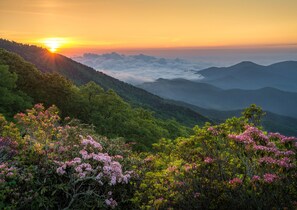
(136, 69)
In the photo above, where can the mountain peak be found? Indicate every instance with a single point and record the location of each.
(245, 64)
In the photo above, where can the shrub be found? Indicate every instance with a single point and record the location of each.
(54, 166)
(233, 165)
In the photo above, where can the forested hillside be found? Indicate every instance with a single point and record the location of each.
(23, 85)
(81, 74)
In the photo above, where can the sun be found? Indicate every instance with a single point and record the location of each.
(53, 44)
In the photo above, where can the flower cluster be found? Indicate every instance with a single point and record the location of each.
(257, 141)
(8, 148)
(213, 131)
(6, 172)
(208, 160)
(251, 135)
(90, 141)
(283, 162)
(235, 181)
(283, 139)
(111, 202)
(96, 165)
(256, 178)
(269, 178)
(104, 165)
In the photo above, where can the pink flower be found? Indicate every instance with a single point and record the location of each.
(118, 157)
(92, 142)
(9, 174)
(255, 178)
(113, 180)
(81, 175)
(269, 178)
(110, 202)
(60, 171)
(213, 131)
(235, 181)
(208, 160)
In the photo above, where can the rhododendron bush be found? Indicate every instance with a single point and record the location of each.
(45, 164)
(50, 163)
(234, 165)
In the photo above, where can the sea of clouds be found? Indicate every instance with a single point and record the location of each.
(137, 69)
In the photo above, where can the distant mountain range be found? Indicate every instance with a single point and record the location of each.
(248, 75)
(211, 97)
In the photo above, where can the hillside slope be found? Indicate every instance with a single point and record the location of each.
(81, 74)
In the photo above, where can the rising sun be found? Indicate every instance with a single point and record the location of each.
(53, 44)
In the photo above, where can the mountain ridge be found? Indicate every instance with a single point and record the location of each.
(248, 75)
(208, 96)
(81, 74)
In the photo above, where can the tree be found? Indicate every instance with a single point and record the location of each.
(11, 99)
(254, 114)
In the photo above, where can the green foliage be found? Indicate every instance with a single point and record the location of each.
(109, 113)
(11, 99)
(229, 166)
(254, 114)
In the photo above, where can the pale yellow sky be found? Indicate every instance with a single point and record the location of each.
(150, 23)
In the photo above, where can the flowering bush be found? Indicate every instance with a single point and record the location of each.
(233, 165)
(45, 164)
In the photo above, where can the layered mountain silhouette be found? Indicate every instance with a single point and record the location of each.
(248, 75)
(211, 97)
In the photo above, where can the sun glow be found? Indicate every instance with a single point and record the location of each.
(53, 44)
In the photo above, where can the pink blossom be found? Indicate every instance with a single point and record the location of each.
(255, 178)
(235, 181)
(269, 178)
(283, 139)
(208, 160)
(9, 174)
(118, 157)
(60, 171)
(81, 175)
(92, 142)
(110, 202)
(213, 131)
(284, 162)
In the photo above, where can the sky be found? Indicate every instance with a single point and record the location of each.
(85, 25)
